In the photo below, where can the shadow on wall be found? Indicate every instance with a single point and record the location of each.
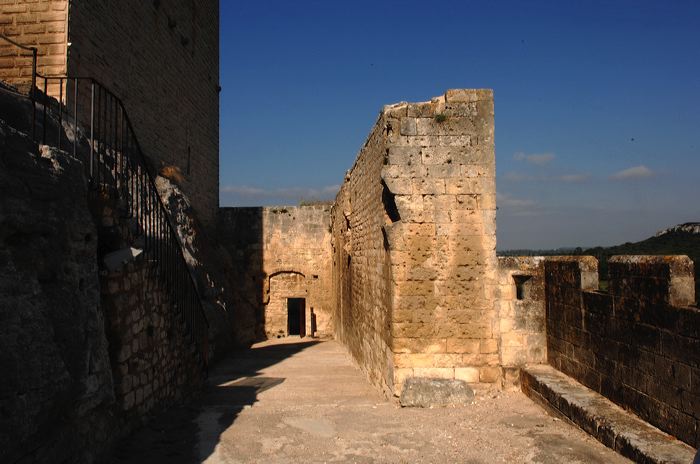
(240, 231)
(190, 434)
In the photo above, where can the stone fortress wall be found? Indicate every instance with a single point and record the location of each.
(160, 58)
(402, 269)
(636, 343)
(418, 292)
(281, 253)
(414, 242)
(520, 304)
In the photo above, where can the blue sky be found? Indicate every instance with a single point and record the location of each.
(597, 103)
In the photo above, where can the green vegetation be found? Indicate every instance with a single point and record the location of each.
(440, 118)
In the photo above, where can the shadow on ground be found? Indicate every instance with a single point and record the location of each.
(189, 433)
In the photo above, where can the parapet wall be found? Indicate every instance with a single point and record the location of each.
(639, 344)
(414, 264)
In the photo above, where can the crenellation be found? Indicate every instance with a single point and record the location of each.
(629, 343)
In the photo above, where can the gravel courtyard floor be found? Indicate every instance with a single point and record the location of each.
(294, 400)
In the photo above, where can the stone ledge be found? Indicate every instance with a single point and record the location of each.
(608, 423)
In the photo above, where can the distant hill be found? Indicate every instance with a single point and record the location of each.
(683, 239)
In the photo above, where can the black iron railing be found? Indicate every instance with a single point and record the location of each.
(32, 90)
(118, 170)
(116, 165)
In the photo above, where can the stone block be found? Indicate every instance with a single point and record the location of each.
(489, 374)
(446, 373)
(426, 393)
(467, 374)
(418, 345)
(468, 95)
(444, 125)
(463, 345)
(427, 186)
(489, 346)
(399, 185)
(404, 155)
(408, 126)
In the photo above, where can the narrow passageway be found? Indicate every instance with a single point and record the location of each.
(293, 400)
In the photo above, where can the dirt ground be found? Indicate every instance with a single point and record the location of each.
(305, 401)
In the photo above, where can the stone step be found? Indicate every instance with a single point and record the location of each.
(608, 423)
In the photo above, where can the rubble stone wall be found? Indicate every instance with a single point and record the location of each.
(414, 238)
(154, 364)
(281, 252)
(56, 389)
(638, 344)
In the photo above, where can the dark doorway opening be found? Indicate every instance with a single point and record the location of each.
(296, 316)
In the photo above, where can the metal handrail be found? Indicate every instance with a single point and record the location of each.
(34, 52)
(117, 164)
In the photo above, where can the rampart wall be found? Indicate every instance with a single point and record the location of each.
(638, 344)
(414, 244)
(87, 351)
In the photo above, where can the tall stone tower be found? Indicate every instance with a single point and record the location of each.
(160, 58)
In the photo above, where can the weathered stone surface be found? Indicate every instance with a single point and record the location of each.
(279, 253)
(212, 268)
(608, 423)
(631, 344)
(152, 357)
(426, 392)
(521, 314)
(56, 383)
(414, 245)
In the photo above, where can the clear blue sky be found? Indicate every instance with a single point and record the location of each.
(597, 103)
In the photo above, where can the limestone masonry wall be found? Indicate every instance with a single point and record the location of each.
(87, 350)
(521, 314)
(361, 269)
(414, 244)
(639, 344)
(280, 253)
(41, 24)
(154, 364)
